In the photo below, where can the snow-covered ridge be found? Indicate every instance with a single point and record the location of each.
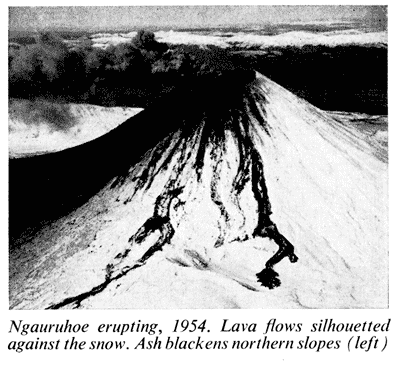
(247, 39)
(90, 122)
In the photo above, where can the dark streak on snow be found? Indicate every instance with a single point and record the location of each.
(240, 114)
(216, 197)
(77, 300)
(159, 221)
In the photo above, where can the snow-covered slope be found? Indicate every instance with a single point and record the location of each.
(88, 123)
(189, 227)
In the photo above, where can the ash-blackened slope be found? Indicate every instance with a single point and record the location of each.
(233, 170)
(44, 187)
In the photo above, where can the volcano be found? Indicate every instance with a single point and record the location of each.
(233, 193)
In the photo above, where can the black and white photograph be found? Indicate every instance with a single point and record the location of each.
(198, 157)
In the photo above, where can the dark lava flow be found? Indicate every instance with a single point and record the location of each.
(238, 114)
(188, 121)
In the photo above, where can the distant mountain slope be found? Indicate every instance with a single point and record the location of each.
(88, 122)
(228, 171)
(253, 38)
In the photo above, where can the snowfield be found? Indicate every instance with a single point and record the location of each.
(182, 228)
(246, 39)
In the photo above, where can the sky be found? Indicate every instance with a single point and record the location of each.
(107, 17)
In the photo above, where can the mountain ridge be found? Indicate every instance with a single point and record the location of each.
(198, 205)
